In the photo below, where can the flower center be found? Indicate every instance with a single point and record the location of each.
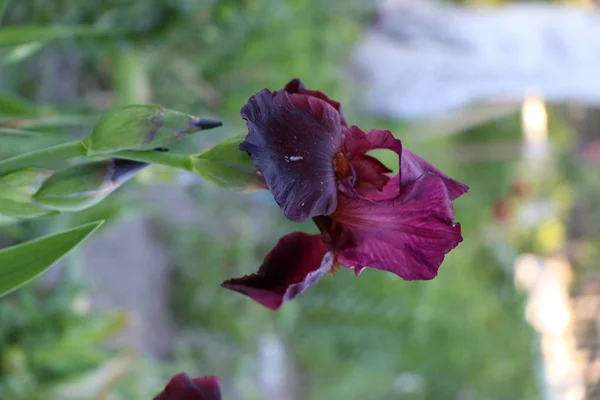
(341, 166)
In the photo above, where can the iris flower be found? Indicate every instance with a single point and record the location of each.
(318, 168)
(182, 387)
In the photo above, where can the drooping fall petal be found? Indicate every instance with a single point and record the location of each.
(413, 166)
(297, 262)
(293, 140)
(297, 86)
(408, 236)
(182, 387)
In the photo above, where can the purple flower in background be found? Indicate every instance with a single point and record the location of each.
(182, 387)
(317, 167)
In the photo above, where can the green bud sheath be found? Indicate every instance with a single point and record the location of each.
(227, 166)
(84, 185)
(142, 127)
(28, 180)
(18, 203)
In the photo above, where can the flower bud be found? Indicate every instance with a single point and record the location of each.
(82, 186)
(28, 180)
(16, 190)
(142, 127)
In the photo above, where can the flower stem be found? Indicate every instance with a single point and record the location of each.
(178, 161)
(35, 158)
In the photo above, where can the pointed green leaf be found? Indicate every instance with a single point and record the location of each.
(21, 263)
(227, 166)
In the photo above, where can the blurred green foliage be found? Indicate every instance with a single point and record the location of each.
(48, 338)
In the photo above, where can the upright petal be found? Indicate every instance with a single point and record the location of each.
(414, 166)
(297, 262)
(182, 387)
(297, 86)
(371, 179)
(408, 236)
(370, 174)
(293, 140)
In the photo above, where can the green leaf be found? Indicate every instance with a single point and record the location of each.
(19, 34)
(21, 263)
(18, 132)
(227, 166)
(39, 157)
(3, 4)
(12, 105)
(47, 121)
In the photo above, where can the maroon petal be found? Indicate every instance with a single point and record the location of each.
(408, 236)
(293, 140)
(413, 166)
(297, 262)
(297, 86)
(181, 387)
(369, 173)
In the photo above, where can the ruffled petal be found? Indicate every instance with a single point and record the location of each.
(293, 140)
(371, 179)
(297, 262)
(182, 387)
(297, 86)
(412, 167)
(408, 236)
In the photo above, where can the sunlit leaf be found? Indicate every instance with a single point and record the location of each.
(13, 35)
(21, 52)
(21, 263)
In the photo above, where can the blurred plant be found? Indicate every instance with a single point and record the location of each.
(49, 337)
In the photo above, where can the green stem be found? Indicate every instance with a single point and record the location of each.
(39, 157)
(173, 160)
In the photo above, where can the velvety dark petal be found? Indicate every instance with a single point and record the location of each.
(293, 140)
(413, 166)
(296, 86)
(297, 262)
(181, 387)
(408, 236)
(369, 172)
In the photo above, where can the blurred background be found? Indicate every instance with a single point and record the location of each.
(500, 97)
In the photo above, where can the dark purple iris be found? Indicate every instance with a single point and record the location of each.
(317, 167)
(182, 387)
